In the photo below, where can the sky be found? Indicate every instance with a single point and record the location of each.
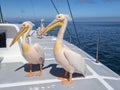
(81, 9)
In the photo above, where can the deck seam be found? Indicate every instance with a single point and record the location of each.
(100, 78)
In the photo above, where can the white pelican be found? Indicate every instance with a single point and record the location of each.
(34, 54)
(41, 27)
(68, 59)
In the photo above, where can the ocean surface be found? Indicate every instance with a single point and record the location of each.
(88, 33)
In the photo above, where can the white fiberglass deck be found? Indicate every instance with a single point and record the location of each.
(13, 70)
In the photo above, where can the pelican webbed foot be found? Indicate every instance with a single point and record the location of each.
(68, 80)
(30, 74)
(40, 72)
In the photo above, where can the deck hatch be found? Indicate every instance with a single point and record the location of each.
(2, 39)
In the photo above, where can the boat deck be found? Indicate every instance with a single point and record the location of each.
(12, 73)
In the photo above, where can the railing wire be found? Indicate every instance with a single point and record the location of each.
(73, 22)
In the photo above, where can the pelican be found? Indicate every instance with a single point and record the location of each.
(41, 27)
(34, 54)
(68, 59)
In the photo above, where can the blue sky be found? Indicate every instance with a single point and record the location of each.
(37, 9)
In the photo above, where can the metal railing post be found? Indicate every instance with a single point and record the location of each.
(97, 51)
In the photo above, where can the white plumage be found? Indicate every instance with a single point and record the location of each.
(68, 59)
(34, 54)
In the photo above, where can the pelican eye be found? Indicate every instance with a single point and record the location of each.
(59, 17)
(23, 25)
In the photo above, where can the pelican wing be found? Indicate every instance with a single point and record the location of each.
(39, 49)
(76, 60)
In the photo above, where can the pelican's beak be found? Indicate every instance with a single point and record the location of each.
(52, 25)
(20, 33)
